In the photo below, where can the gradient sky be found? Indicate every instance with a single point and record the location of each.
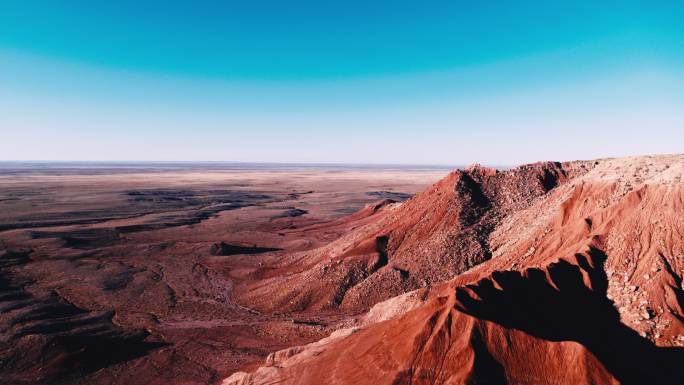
(411, 82)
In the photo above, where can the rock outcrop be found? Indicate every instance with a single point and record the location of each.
(553, 273)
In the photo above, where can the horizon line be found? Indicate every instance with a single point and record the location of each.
(235, 162)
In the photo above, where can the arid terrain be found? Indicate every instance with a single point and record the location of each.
(127, 274)
(547, 273)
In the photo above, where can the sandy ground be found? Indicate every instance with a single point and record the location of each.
(121, 259)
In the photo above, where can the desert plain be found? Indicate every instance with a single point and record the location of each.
(124, 273)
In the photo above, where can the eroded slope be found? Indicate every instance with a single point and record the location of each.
(583, 286)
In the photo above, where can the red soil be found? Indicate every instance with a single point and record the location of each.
(562, 273)
(549, 273)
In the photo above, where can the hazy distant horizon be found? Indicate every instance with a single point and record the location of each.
(237, 163)
(215, 165)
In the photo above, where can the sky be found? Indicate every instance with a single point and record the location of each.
(399, 82)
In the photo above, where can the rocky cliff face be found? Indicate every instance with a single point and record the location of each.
(550, 273)
(432, 237)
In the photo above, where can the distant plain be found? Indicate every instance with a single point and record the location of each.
(138, 257)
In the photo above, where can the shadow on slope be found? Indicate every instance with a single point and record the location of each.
(561, 307)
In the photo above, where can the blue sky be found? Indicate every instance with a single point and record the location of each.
(432, 82)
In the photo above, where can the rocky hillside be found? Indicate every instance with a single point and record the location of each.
(430, 238)
(553, 273)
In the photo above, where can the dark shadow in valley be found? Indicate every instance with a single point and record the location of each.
(563, 308)
(93, 238)
(47, 339)
(198, 205)
(82, 238)
(291, 212)
(395, 196)
(486, 370)
(226, 249)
